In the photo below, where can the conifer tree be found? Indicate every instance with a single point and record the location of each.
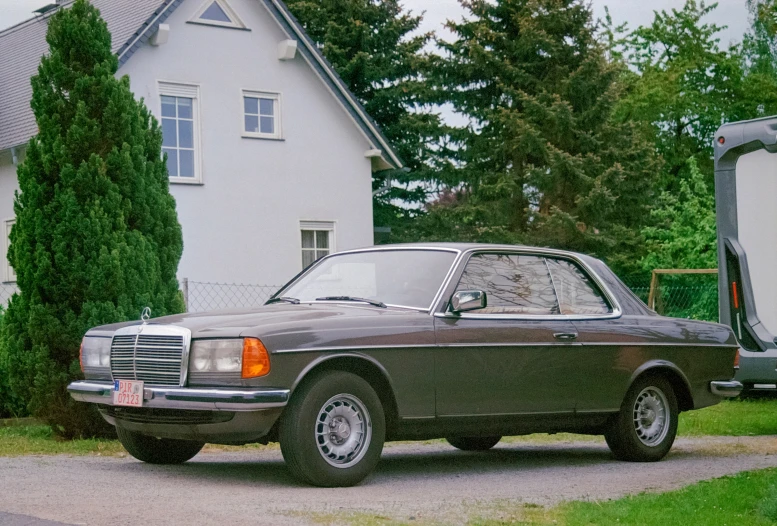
(96, 237)
(374, 47)
(543, 161)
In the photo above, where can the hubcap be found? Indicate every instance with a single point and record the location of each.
(651, 416)
(343, 430)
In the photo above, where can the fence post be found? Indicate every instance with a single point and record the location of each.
(185, 291)
(653, 287)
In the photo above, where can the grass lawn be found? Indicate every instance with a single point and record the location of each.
(732, 418)
(40, 440)
(729, 418)
(746, 499)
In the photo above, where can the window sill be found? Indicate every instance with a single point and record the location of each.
(185, 181)
(262, 137)
(216, 24)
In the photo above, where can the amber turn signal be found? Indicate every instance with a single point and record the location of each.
(256, 359)
(736, 360)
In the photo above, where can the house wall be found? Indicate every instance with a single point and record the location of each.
(242, 225)
(8, 185)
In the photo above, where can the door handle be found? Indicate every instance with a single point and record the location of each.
(565, 335)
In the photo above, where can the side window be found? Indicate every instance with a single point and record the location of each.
(576, 293)
(514, 284)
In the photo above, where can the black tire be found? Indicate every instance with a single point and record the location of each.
(626, 441)
(473, 443)
(304, 440)
(158, 450)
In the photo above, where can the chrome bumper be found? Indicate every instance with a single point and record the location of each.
(186, 397)
(728, 389)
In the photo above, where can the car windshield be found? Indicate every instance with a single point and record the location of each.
(403, 278)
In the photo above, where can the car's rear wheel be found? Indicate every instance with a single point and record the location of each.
(473, 443)
(158, 450)
(332, 431)
(645, 428)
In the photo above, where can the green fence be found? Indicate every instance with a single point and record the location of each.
(684, 296)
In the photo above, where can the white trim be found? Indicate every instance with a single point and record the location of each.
(189, 90)
(236, 22)
(277, 113)
(9, 275)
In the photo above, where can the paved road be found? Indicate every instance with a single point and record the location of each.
(422, 481)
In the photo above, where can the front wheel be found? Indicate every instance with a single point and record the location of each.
(332, 431)
(157, 450)
(645, 428)
(473, 443)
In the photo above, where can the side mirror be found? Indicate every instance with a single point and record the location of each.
(466, 300)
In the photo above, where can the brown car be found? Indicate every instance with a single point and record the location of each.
(464, 342)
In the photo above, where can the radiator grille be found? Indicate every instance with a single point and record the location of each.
(155, 359)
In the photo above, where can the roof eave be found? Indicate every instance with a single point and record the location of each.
(318, 62)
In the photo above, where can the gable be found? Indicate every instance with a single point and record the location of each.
(132, 25)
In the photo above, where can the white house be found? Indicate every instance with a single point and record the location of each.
(270, 156)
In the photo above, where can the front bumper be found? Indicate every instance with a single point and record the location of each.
(213, 399)
(728, 389)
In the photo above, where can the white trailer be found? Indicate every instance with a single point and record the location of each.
(746, 197)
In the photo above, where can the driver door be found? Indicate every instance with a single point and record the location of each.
(515, 356)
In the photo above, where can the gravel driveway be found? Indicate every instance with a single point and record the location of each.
(413, 482)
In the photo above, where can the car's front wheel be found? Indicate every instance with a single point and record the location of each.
(645, 428)
(157, 450)
(332, 431)
(473, 443)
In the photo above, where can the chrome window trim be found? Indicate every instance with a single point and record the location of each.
(389, 248)
(441, 311)
(160, 330)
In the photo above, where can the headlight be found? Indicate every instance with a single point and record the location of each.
(245, 356)
(216, 356)
(95, 354)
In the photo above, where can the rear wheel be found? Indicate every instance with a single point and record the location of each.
(473, 443)
(157, 450)
(332, 431)
(645, 428)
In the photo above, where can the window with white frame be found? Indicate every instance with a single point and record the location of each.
(261, 115)
(10, 273)
(180, 131)
(217, 13)
(318, 240)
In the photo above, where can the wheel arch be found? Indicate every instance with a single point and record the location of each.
(363, 366)
(673, 374)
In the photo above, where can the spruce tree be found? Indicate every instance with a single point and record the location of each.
(543, 161)
(96, 237)
(375, 48)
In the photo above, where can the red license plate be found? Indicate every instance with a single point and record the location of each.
(128, 393)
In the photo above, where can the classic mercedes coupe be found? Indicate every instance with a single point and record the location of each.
(463, 342)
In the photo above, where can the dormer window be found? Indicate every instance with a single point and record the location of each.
(217, 13)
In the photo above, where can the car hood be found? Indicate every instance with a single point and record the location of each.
(294, 326)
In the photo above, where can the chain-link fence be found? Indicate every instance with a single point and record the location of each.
(6, 291)
(204, 296)
(681, 296)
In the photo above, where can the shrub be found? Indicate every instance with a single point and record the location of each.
(96, 237)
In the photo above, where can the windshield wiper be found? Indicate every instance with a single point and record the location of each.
(279, 299)
(353, 298)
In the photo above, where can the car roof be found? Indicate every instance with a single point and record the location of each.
(472, 246)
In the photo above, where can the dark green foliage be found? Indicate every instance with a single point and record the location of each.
(372, 45)
(543, 162)
(96, 236)
(684, 88)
